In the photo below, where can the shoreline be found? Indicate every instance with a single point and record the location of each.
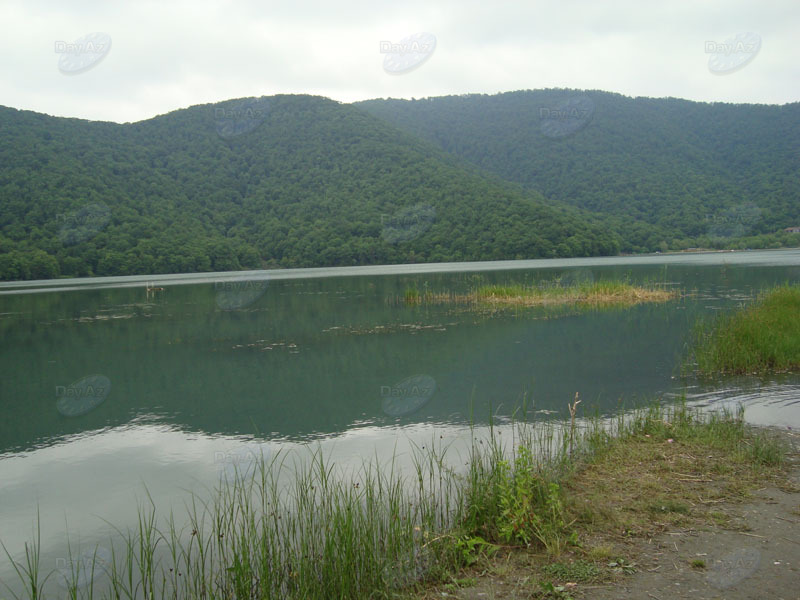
(747, 546)
(69, 284)
(368, 531)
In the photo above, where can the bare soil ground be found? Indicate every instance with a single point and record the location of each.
(758, 558)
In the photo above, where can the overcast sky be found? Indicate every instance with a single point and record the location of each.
(166, 55)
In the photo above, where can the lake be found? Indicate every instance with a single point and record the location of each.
(115, 388)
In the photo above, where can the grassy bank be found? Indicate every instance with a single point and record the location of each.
(662, 469)
(762, 338)
(600, 293)
(375, 533)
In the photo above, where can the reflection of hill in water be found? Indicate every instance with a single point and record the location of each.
(310, 357)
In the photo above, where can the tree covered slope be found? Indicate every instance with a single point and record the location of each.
(696, 171)
(284, 181)
(299, 181)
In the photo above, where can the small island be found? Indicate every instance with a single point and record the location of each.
(548, 293)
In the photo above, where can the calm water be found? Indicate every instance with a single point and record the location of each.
(107, 388)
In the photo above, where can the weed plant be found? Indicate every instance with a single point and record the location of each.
(374, 532)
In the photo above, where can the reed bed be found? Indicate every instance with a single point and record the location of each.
(761, 338)
(368, 532)
(599, 293)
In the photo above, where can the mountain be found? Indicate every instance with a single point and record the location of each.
(282, 181)
(701, 174)
(302, 181)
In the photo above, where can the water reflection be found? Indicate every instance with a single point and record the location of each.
(178, 389)
(773, 401)
(301, 359)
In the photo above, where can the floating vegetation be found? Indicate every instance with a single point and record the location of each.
(548, 293)
(264, 345)
(390, 328)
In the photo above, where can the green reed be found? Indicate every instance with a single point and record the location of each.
(303, 527)
(761, 338)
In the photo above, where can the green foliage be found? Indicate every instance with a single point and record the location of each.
(319, 183)
(764, 337)
(459, 583)
(550, 590)
(578, 571)
(472, 548)
(531, 509)
(364, 533)
(664, 174)
(412, 296)
(622, 566)
(725, 431)
(762, 450)
(554, 290)
(515, 503)
(316, 183)
(668, 506)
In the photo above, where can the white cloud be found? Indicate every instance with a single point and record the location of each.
(169, 55)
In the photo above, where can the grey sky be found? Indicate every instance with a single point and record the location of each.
(167, 55)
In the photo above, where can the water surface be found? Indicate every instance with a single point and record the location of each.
(111, 386)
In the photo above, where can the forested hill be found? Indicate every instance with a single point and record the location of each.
(703, 173)
(284, 181)
(298, 181)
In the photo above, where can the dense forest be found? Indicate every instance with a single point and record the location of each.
(299, 181)
(285, 181)
(712, 175)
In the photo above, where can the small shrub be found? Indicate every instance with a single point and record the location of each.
(531, 509)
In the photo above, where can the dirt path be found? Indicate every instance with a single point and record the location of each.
(761, 561)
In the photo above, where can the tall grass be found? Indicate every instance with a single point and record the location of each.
(29, 572)
(764, 337)
(371, 531)
(594, 293)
